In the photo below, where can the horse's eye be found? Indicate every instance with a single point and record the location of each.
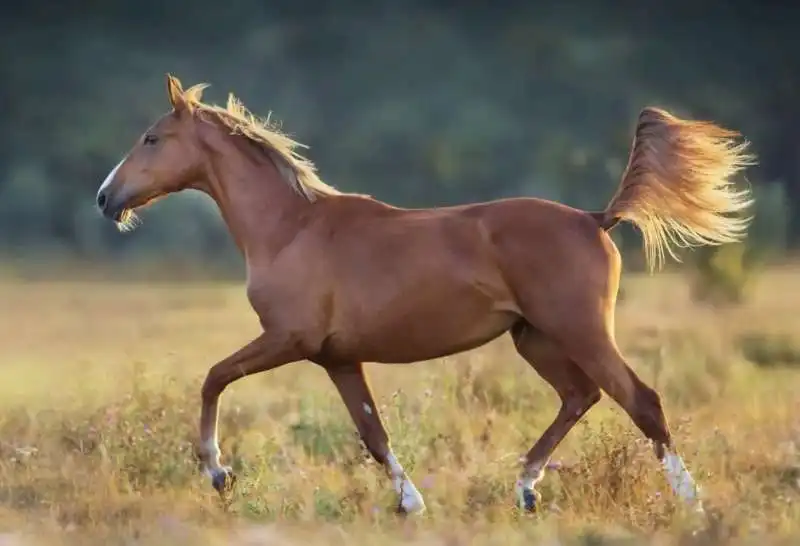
(149, 139)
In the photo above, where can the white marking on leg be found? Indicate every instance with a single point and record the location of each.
(211, 454)
(680, 480)
(410, 498)
(111, 175)
(530, 476)
(367, 409)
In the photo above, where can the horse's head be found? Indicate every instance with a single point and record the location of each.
(166, 158)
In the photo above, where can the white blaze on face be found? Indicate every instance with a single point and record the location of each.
(127, 220)
(111, 175)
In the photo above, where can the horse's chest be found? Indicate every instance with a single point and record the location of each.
(288, 304)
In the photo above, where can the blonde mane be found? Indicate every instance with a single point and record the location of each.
(297, 171)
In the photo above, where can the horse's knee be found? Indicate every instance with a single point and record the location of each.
(589, 398)
(212, 385)
(580, 398)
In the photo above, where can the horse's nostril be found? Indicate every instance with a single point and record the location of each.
(101, 201)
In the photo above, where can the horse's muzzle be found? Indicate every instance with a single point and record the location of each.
(110, 206)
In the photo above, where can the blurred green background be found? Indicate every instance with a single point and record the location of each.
(418, 103)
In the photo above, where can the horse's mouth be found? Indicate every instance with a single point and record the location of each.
(126, 220)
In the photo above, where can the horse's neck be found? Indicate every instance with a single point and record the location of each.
(260, 209)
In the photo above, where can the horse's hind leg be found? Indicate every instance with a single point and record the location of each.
(352, 385)
(575, 311)
(591, 346)
(578, 394)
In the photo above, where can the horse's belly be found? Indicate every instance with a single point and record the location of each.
(446, 342)
(412, 338)
(428, 301)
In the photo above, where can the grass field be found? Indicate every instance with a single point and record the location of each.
(100, 398)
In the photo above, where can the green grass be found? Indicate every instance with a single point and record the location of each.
(99, 390)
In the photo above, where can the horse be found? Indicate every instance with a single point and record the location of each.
(339, 279)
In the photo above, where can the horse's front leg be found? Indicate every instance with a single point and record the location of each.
(268, 351)
(352, 385)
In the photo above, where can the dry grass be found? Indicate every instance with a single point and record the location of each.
(100, 384)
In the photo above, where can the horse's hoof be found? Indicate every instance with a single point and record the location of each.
(411, 510)
(410, 500)
(223, 479)
(528, 499)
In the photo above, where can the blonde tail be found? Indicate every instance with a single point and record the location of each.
(677, 187)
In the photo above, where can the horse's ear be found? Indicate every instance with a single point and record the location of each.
(175, 93)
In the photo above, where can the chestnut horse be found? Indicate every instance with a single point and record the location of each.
(341, 279)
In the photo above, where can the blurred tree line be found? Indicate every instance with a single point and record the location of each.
(415, 102)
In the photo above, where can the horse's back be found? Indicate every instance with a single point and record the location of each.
(486, 235)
